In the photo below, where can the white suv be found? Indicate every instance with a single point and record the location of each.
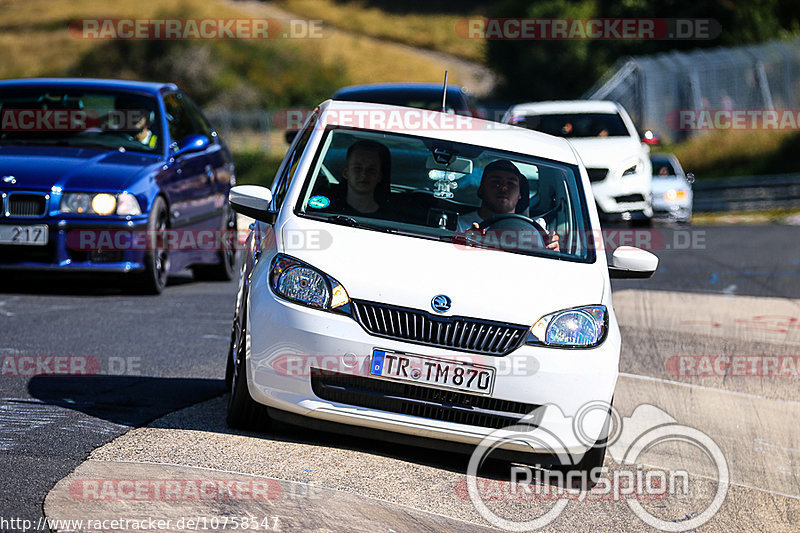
(617, 161)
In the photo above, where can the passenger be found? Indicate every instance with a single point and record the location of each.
(366, 178)
(500, 193)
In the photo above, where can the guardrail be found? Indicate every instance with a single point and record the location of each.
(747, 193)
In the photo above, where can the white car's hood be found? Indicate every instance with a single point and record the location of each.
(409, 272)
(607, 152)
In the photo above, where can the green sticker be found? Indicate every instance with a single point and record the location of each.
(319, 202)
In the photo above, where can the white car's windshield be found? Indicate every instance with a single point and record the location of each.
(465, 194)
(575, 125)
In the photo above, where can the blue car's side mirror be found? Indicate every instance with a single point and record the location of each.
(191, 143)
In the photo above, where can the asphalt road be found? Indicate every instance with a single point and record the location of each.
(151, 355)
(154, 355)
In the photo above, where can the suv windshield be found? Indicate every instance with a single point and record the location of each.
(466, 194)
(572, 125)
(111, 120)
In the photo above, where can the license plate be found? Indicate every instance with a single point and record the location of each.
(432, 371)
(29, 235)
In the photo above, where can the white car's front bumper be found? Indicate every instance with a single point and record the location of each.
(617, 194)
(280, 332)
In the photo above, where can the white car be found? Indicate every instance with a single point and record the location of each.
(392, 323)
(617, 161)
(672, 189)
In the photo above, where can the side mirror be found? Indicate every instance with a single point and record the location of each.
(628, 262)
(690, 178)
(290, 135)
(252, 201)
(191, 143)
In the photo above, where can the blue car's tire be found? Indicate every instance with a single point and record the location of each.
(156, 259)
(225, 269)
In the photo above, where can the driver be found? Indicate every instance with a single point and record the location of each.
(143, 133)
(499, 192)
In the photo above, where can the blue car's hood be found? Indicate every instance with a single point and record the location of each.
(75, 169)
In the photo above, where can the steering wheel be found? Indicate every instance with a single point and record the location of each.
(515, 222)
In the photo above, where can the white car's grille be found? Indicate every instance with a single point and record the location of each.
(413, 325)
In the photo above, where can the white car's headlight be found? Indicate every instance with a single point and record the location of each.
(631, 170)
(301, 283)
(100, 203)
(673, 195)
(580, 327)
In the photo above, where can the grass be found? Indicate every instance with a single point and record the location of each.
(770, 216)
(36, 40)
(739, 153)
(255, 167)
(430, 31)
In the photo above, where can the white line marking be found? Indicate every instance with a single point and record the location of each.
(710, 389)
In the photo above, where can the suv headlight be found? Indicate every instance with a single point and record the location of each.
(102, 203)
(301, 283)
(631, 170)
(580, 327)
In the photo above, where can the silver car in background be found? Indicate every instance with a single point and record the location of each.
(672, 189)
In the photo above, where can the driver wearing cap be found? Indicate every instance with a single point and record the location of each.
(500, 192)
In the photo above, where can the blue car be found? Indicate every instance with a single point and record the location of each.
(112, 176)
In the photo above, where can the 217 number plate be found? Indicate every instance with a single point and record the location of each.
(27, 235)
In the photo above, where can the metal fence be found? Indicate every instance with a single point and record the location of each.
(249, 129)
(654, 88)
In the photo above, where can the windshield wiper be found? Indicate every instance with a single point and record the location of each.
(345, 220)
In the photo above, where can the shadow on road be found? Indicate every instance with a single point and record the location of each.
(128, 400)
(69, 284)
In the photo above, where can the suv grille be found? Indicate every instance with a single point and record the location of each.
(26, 205)
(629, 198)
(415, 400)
(412, 325)
(597, 174)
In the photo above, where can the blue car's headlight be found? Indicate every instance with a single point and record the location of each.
(301, 283)
(102, 203)
(580, 327)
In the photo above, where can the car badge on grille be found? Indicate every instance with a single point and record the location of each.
(441, 303)
(9, 179)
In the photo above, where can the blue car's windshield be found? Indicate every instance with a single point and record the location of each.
(113, 120)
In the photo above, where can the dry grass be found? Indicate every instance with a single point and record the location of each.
(728, 153)
(433, 32)
(36, 40)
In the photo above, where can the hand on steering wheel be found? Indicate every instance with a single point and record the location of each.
(498, 220)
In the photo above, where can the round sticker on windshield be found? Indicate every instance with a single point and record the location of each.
(319, 202)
